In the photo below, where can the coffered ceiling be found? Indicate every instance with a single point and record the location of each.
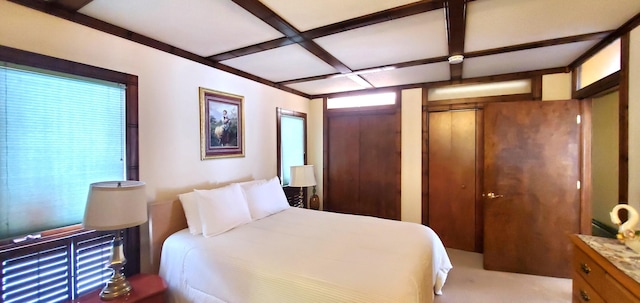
(319, 47)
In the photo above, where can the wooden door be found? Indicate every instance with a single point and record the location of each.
(452, 178)
(344, 155)
(531, 168)
(364, 165)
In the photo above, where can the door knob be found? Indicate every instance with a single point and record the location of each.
(492, 195)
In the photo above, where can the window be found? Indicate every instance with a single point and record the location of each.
(362, 100)
(601, 65)
(60, 134)
(63, 125)
(292, 142)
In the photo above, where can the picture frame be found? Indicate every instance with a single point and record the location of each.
(221, 124)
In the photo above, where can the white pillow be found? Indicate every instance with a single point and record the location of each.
(265, 198)
(246, 184)
(222, 209)
(189, 203)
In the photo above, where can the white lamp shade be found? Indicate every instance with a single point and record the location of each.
(115, 205)
(302, 176)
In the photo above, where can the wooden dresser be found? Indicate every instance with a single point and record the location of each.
(604, 270)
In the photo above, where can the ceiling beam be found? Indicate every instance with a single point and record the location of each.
(73, 5)
(261, 11)
(538, 44)
(487, 52)
(73, 16)
(378, 17)
(375, 18)
(455, 13)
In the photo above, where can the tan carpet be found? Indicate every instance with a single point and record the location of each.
(468, 282)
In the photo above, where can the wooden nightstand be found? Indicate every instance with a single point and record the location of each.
(146, 289)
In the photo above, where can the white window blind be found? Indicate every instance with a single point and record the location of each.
(292, 144)
(58, 134)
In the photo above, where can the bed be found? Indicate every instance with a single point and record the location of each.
(294, 255)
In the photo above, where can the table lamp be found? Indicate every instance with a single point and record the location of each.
(114, 206)
(302, 176)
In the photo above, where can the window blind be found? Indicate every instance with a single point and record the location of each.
(58, 134)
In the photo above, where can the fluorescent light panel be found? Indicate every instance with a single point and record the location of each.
(480, 90)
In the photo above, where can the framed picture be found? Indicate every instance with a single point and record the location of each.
(221, 124)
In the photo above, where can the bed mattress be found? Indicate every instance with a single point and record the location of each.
(300, 255)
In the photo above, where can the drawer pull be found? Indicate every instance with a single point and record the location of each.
(584, 296)
(585, 268)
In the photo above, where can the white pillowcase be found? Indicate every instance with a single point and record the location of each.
(189, 203)
(222, 209)
(265, 198)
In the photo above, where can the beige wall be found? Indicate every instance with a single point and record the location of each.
(604, 156)
(634, 120)
(411, 156)
(556, 87)
(315, 143)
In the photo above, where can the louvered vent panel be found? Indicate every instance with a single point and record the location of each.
(91, 263)
(37, 277)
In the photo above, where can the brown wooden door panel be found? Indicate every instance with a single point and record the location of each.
(364, 164)
(344, 150)
(379, 166)
(452, 178)
(531, 156)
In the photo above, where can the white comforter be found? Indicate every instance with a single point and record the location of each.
(301, 255)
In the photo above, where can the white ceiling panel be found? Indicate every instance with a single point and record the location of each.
(526, 60)
(309, 14)
(202, 27)
(400, 40)
(499, 23)
(410, 75)
(283, 63)
(326, 86)
(228, 30)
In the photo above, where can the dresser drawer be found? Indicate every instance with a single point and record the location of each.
(613, 291)
(589, 270)
(583, 292)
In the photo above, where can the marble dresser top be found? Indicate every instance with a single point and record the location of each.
(617, 253)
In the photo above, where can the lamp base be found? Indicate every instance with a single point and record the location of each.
(116, 287)
(314, 202)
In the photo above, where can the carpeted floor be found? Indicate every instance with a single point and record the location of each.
(469, 283)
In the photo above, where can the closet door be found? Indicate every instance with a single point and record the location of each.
(344, 161)
(453, 200)
(364, 164)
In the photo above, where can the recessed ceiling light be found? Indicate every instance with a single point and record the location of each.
(456, 59)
